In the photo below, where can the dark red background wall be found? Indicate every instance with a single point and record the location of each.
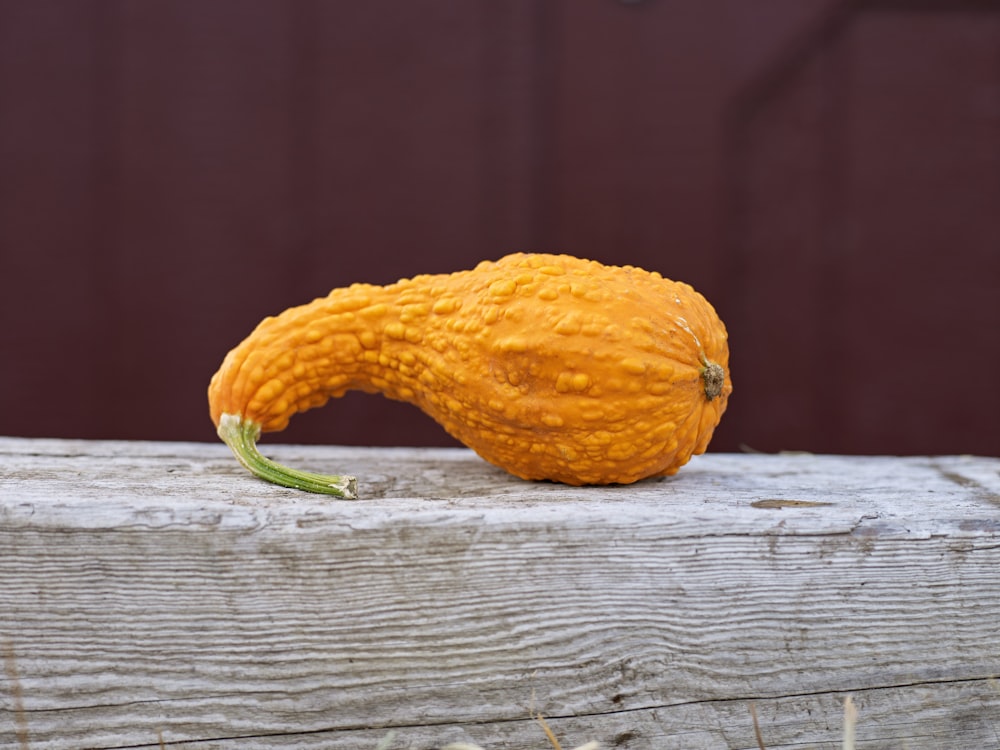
(826, 173)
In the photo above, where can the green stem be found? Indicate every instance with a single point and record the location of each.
(241, 436)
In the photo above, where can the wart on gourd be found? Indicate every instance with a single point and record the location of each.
(549, 366)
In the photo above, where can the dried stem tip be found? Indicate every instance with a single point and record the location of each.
(241, 436)
(714, 377)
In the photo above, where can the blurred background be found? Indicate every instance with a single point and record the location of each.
(826, 172)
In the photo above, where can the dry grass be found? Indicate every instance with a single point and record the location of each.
(17, 697)
(850, 722)
(549, 734)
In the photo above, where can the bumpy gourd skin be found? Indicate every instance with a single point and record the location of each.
(549, 366)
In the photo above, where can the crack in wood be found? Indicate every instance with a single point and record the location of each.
(982, 492)
(990, 680)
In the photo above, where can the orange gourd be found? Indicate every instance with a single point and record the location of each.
(549, 366)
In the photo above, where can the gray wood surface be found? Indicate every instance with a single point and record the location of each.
(156, 588)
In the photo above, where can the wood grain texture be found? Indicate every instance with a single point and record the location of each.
(150, 587)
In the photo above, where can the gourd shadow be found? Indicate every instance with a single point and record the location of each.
(456, 473)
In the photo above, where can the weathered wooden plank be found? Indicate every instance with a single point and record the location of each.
(150, 587)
